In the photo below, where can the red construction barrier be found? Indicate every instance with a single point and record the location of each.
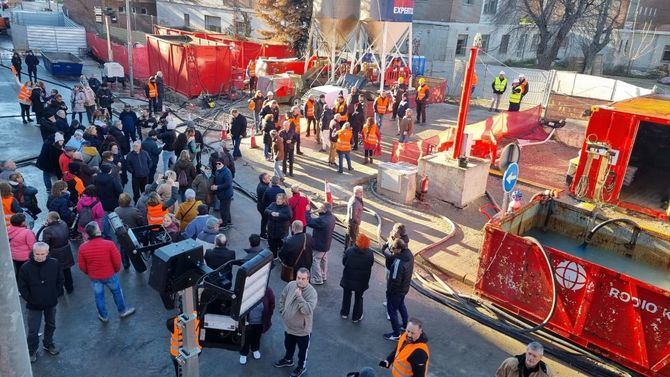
(191, 65)
(510, 125)
(98, 47)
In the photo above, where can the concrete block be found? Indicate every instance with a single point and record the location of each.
(397, 181)
(451, 183)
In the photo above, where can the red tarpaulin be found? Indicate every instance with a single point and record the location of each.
(242, 51)
(191, 65)
(486, 134)
(140, 57)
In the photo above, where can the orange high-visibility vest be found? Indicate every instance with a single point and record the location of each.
(252, 105)
(78, 185)
(370, 134)
(295, 120)
(341, 108)
(176, 339)
(252, 68)
(475, 79)
(382, 105)
(309, 108)
(24, 94)
(401, 366)
(153, 89)
(155, 214)
(421, 92)
(344, 141)
(7, 207)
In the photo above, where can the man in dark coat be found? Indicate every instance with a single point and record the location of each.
(130, 123)
(37, 103)
(238, 130)
(356, 120)
(279, 219)
(323, 227)
(160, 86)
(254, 246)
(108, 188)
(261, 188)
(220, 254)
(150, 146)
(121, 137)
(40, 284)
(48, 127)
(47, 161)
(105, 98)
(138, 163)
(270, 195)
(397, 286)
(32, 62)
(296, 251)
(56, 234)
(223, 189)
(357, 262)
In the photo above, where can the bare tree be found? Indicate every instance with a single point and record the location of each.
(594, 30)
(645, 34)
(554, 20)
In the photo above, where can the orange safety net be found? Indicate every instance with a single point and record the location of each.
(486, 135)
(98, 47)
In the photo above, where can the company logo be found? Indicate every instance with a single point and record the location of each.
(570, 275)
(403, 7)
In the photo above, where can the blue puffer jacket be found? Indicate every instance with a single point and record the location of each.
(61, 205)
(223, 179)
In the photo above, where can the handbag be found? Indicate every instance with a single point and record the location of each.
(288, 272)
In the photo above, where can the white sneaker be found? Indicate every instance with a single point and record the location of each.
(257, 355)
(388, 317)
(243, 360)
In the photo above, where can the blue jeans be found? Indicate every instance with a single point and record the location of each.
(99, 292)
(257, 121)
(404, 138)
(47, 180)
(236, 146)
(169, 158)
(266, 151)
(396, 303)
(379, 118)
(278, 171)
(340, 155)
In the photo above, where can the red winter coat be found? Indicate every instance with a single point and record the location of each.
(298, 204)
(99, 258)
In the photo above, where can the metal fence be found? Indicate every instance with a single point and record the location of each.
(47, 31)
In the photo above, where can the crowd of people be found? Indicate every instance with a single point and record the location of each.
(88, 169)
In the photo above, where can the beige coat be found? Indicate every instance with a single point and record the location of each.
(510, 368)
(297, 312)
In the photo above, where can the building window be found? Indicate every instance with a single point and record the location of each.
(461, 44)
(213, 24)
(666, 54)
(535, 41)
(490, 6)
(504, 43)
(122, 9)
(521, 44)
(486, 38)
(187, 20)
(134, 9)
(143, 10)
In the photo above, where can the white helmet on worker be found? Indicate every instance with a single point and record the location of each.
(502, 73)
(270, 94)
(522, 76)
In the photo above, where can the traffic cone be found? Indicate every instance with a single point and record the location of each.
(253, 139)
(329, 196)
(224, 133)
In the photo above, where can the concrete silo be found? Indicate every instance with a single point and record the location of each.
(333, 23)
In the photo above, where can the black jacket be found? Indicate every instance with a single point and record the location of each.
(357, 118)
(121, 139)
(36, 100)
(105, 98)
(40, 284)
(32, 61)
(290, 252)
(323, 228)
(357, 269)
(149, 145)
(270, 195)
(48, 158)
(261, 188)
(109, 190)
(278, 226)
(400, 273)
(57, 236)
(218, 256)
(16, 62)
(238, 126)
(326, 117)
(180, 143)
(168, 137)
(138, 163)
(47, 129)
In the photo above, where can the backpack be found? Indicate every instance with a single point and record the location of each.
(182, 178)
(86, 214)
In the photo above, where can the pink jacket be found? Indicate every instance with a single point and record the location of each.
(97, 211)
(21, 241)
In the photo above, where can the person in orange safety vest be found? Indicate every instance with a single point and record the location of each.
(411, 356)
(24, 101)
(371, 139)
(343, 146)
(151, 91)
(177, 339)
(422, 95)
(382, 104)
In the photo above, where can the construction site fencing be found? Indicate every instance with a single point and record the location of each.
(98, 48)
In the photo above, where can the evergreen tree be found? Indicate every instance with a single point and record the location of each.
(289, 21)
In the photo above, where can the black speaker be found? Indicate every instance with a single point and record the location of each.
(176, 266)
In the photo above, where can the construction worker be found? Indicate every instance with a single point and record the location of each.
(381, 106)
(515, 97)
(255, 106)
(422, 94)
(523, 83)
(151, 91)
(371, 139)
(475, 81)
(294, 118)
(340, 107)
(177, 339)
(398, 90)
(499, 86)
(411, 356)
(343, 146)
(24, 101)
(309, 111)
(251, 74)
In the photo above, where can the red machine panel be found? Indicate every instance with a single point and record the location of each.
(610, 313)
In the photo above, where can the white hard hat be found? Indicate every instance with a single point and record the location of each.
(270, 93)
(522, 76)
(502, 73)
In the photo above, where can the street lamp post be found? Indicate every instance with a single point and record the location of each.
(130, 49)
